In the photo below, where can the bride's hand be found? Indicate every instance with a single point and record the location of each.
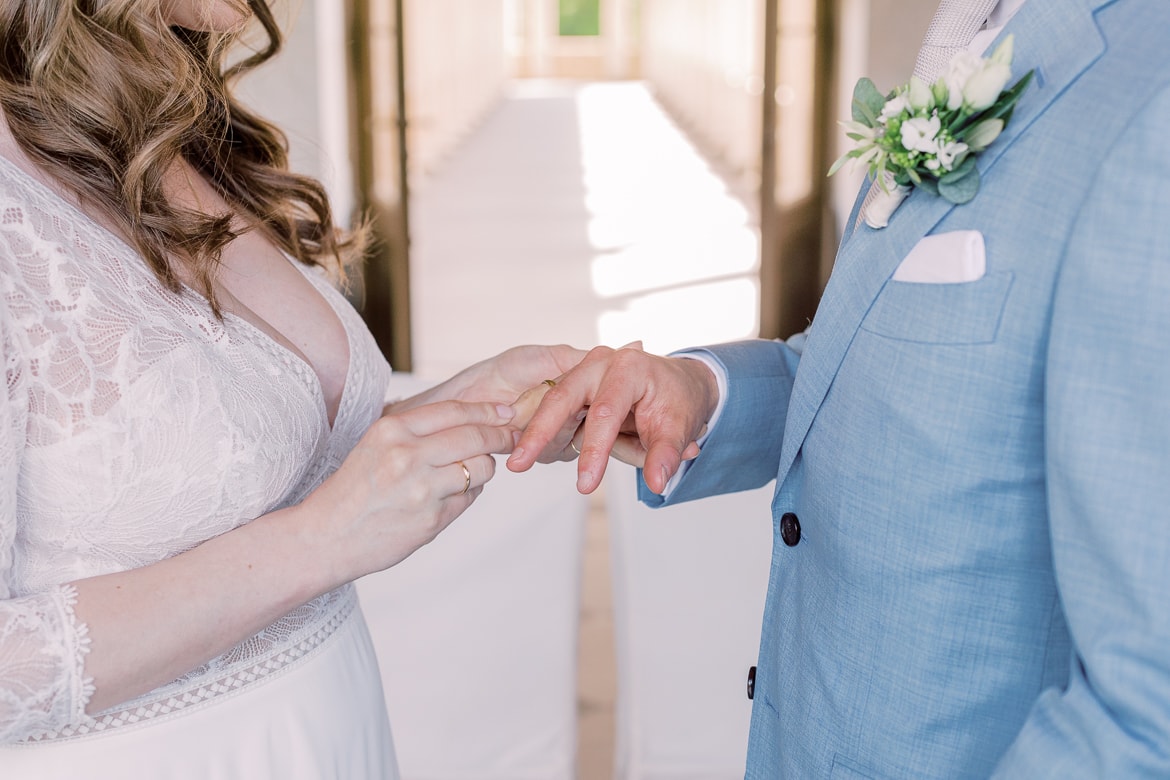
(407, 479)
(499, 379)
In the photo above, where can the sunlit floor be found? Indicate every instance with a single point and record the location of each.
(580, 213)
(577, 213)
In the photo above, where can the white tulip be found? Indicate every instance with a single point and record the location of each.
(983, 87)
(962, 66)
(919, 95)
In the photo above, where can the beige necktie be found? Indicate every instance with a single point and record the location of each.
(954, 25)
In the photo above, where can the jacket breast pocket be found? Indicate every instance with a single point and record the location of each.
(964, 313)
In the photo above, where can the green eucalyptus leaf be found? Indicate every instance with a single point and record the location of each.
(965, 168)
(867, 102)
(1002, 108)
(982, 135)
(929, 184)
(961, 189)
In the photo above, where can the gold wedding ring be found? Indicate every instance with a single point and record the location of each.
(573, 444)
(466, 477)
(550, 382)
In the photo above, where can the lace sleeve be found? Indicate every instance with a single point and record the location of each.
(42, 646)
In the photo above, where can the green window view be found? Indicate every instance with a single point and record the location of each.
(580, 17)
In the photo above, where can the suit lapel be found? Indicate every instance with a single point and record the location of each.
(1057, 38)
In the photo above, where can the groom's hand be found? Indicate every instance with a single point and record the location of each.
(664, 402)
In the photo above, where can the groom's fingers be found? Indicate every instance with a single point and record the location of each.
(649, 386)
(559, 406)
(612, 384)
(673, 400)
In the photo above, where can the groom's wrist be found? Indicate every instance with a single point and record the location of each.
(712, 378)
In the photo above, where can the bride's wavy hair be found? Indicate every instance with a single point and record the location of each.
(105, 97)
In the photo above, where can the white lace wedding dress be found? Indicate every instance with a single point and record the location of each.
(135, 425)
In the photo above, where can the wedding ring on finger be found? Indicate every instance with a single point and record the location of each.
(466, 477)
(550, 382)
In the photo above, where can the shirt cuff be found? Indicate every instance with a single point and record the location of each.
(720, 380)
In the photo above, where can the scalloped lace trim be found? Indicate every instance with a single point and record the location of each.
(225, 676)
(78, 640)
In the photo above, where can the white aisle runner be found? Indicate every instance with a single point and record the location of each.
(576, 213)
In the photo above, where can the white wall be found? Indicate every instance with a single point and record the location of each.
(704, 61)
(303, 90)
(456, 67)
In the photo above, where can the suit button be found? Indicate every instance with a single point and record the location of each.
(790, 529)
(751, 684)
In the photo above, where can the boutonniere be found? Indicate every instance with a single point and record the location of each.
(927, 135)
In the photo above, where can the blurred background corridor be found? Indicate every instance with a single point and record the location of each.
(586, 172)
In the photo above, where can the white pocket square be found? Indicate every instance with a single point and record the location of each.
(945, 258)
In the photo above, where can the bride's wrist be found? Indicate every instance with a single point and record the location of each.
(311, 549)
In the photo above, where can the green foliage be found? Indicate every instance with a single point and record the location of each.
(867, 102)
(961, 184)
(580, 17)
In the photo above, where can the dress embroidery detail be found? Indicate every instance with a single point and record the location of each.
(135, 426)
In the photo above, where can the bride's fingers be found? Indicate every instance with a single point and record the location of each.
(463, 442)
(468, 475)
(431, 418)
(529, 401)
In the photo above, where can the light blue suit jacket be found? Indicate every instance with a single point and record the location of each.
(981, 471)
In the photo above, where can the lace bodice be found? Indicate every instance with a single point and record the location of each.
(133, 427)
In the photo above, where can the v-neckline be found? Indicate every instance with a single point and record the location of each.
(266, 339)
(258, 333)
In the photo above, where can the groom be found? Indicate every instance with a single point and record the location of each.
(971, 566)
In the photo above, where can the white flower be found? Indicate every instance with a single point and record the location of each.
(975, 83)
(948, 152)
(1003, 52)
(984, 85)
(962, 66)
(894, 106)
(920, 134)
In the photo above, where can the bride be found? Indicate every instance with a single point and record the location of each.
(196, 454)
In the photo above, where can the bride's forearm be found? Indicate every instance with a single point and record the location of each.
(397, 489)
(148, 626)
